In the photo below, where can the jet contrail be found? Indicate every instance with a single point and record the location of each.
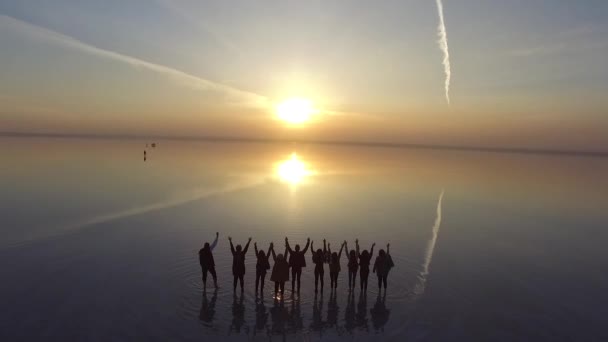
(443, 45)
(430, 249)
(236, 96)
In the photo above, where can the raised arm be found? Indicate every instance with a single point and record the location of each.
(324, 246)
(274, 256)
(371, 252)
(329, 248)
(269, 249)
(231, 245)
(347, 251)
(306, 248)
(357, 247)
(246, 247)
(312, 247)
(217, 236)
(255, 248)
(287, 245)
(340, 253)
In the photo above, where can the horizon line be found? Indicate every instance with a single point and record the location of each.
(380, 144)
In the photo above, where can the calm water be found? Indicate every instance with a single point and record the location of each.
(99, 245)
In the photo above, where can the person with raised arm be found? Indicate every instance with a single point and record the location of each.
(296, 261)
(318, 258)
(334, 266)
(205, 259)
(261, 267)
(353, 266)
(364, 260)
(382, 265)
(238, 262)
(280, 272)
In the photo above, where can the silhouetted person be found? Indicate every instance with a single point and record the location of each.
(261, 267)
(238, 313)
(208, 309)
(353, 266)
(296, 261)
(334, 266)
(145, 157)
(379, 313)
(238, 262)
(365, 258)
(382, 265)
(205, 258)
(318, 258)
(280, 272)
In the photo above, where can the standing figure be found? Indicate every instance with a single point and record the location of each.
(205, 259)
(334, 266)
(382, 265)
(353, 266)
(318, 258)
(261, 267)
(364, 260)
(280, 272)
(296, 262)
(238, 262)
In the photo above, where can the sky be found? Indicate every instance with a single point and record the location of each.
(524, 74)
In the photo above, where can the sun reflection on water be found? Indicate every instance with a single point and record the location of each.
(293, 170)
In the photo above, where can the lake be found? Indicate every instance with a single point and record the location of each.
(99, 244)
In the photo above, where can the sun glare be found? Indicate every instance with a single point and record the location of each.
(292, 170)
(295, 110)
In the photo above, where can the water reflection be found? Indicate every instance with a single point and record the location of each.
(293, 170)
(279, 316)
(350, 312)
(317, 323)
(238, 314)
(208, 309)
(295, 318)
(380, 313)
(261, 317)
(361, 319)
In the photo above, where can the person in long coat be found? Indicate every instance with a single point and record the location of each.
(280, 272)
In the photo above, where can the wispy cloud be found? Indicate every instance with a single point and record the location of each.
(219, 38)
(575, 39)
(443, 45)
(231, 94)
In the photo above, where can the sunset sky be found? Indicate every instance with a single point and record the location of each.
(529, 74)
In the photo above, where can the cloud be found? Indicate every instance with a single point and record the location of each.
(232, 95)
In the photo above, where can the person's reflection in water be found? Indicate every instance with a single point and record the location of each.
(317, 323)
(332, 309)
(295, 317)
(238, 313)
(279, 316)
(208, 309)
(362, 312)
(261, 317)
(380, 313)
(350, 312)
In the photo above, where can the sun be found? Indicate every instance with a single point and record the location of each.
(295, 110)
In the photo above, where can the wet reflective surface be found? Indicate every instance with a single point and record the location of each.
(98, 244)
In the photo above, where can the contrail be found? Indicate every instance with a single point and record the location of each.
(443, 45)
(234, 95)
(430, 249)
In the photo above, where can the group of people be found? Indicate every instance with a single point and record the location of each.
(295, 259)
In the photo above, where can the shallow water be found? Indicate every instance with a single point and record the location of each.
(98, 244)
